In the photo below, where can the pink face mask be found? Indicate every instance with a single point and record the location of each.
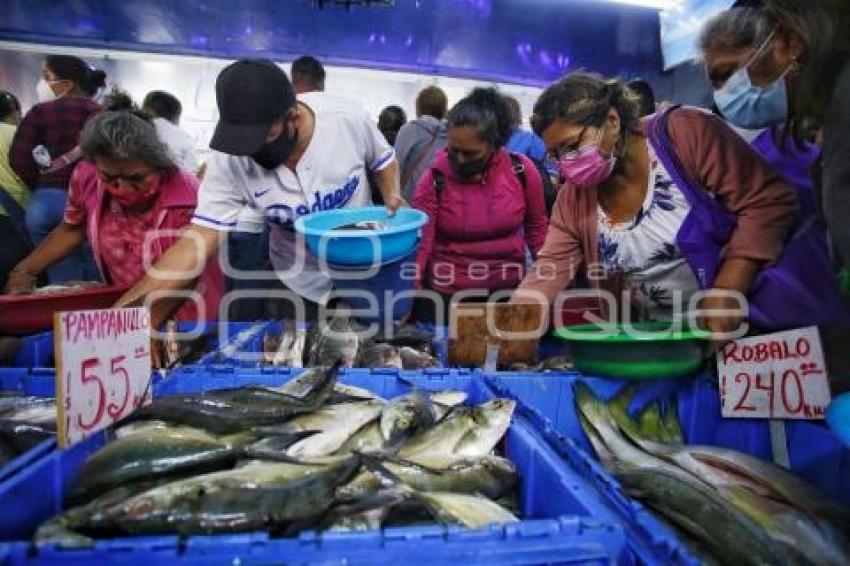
(588, 166)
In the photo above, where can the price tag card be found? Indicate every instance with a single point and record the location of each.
(775, 376)
(103, 369)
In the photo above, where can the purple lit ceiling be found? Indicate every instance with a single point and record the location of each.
(523, 41)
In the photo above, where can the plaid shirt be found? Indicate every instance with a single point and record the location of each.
(56, 125)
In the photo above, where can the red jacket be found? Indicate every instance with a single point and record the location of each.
(86, 201)
(477, 232)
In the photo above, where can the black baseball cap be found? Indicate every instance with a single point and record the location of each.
(251, 94)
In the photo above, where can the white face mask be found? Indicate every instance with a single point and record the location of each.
(43, 90)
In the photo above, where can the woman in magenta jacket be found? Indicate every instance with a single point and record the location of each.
(485, 208)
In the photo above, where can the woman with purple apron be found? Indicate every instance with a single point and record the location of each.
(673, 207)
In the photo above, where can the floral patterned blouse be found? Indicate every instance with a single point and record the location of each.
(643, 254)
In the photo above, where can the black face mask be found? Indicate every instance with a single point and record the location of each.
(273, 154)
(469, 169)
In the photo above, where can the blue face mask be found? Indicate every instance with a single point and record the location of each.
(749, 106)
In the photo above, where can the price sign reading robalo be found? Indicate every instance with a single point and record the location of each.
(103, 369)
(774, 376)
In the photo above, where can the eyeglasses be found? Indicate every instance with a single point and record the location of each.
(133, 179)
(565, 151)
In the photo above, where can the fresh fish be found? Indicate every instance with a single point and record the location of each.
(346, 393)
(802, 538)
(271, 342)
(374, 225)
(334, 340)
(367, 439)
(62, 529)
(335, 425)
(25, 422)
(171, 352)
(490, 476)
(703, 512)
(411, 358)
(555, 363)
(135, 427)
(603, 429)
(68, 287)
(35, 410)
(378, 355)
(785, 485)
(467, 433)
(151, 454)
(405, 416)
(776, 510)
(367, 514)
(249, 497)
(274, 447)
(288, 349)
(471, 511)
(445, 401)
(232, 410)
(408, 335)
(290, 353)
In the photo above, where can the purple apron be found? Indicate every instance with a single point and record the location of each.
(800, 289)
(794, 163)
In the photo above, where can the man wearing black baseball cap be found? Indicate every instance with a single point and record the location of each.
(284, 158)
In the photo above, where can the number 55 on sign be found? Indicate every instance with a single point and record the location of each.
(103, 369)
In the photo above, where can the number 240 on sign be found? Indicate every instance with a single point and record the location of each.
(778, 375)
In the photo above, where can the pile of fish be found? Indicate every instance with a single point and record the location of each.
(730, 507)
(24, 423)
(170, 352)
(312, 454)
(341, 338)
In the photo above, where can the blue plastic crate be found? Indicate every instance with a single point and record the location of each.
(36, 351)
(566, 519)
(816, 454)
(38, 382)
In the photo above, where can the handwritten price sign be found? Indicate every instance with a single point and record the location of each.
(103, 368)
(776, 376)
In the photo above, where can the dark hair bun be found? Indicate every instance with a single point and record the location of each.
(489, 111)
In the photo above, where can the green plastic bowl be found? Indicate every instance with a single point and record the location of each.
(652, 351)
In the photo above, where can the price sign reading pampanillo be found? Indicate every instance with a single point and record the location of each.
(103, 369)
(775, 376)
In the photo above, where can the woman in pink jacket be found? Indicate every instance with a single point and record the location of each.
(485, 209)
(133, 203)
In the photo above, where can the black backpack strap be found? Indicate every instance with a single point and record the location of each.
(439, 181)
(519, 169)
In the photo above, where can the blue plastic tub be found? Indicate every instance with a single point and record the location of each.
(362, 247)
(816, 454)
(566, 519)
